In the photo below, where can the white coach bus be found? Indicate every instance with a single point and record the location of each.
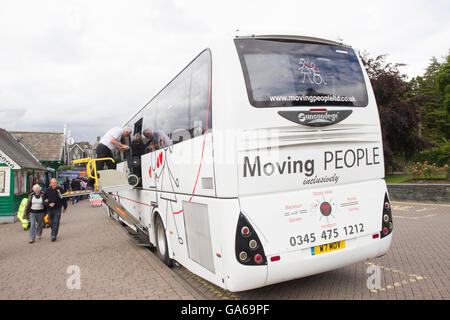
(275, 167)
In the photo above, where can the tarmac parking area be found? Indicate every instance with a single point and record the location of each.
(93, 258)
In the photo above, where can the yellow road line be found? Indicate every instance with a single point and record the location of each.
(218, 292)
(411, 278)
(424, 204)
(415, 218)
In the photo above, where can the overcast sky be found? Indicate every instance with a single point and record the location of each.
(92, 64)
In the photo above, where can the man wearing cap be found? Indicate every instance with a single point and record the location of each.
(109, 142)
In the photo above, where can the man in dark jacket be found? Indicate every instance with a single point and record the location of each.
(76, 186)
(54, 202)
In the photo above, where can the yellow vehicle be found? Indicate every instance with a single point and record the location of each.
(91, 168)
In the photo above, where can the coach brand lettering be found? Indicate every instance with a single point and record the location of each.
(324, 179)
(286, 167)
(340, 159)
(333, 160)
(318, 117)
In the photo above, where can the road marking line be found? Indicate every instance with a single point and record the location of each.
(421, 203)
(415, 218)
(412, 278)
(224, 294)
(400, 208)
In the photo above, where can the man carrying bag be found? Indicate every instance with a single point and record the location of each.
(54, 202)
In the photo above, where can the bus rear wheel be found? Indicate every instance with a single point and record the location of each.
(162, 249)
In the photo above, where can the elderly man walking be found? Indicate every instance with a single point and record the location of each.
(36, 210)
(54, 202)
(109, 142)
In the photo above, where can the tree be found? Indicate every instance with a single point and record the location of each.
(443, 86)
(398, 109)
(432, 90)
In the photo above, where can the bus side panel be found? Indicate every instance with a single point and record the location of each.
(185, 168)
(223, 217)
(181, 229)
(136, 202)
(237, 276)
(226, 77)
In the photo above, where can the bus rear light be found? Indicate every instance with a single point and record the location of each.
(258, 258)
(253, 244)
(245, 231)
(244, 244)
(243, 256)
(386, 220)
(375, 236)
(276, 258)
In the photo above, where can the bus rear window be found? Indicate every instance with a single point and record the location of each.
(282, 73)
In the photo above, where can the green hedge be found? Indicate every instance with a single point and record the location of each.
(439, 155)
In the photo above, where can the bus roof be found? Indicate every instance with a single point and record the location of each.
(294, 37)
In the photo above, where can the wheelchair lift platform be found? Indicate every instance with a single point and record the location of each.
(103, 180)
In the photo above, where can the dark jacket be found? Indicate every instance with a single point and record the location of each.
(137, 149)
(28, 208)
(55, 196)
(75, 185)
(66, 186)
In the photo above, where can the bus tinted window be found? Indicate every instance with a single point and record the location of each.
(150, 115)
(173, 106)
(137, 127)
(201, 72)
(180, 109)
(293, 73)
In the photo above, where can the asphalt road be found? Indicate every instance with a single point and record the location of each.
(112, 266)
(415, 267)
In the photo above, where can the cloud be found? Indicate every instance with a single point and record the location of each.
(93, 64)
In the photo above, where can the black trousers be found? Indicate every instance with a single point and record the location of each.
(104, 152)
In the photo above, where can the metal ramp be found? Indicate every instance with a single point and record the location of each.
(114, 205)
(140, 239)
(111, 178)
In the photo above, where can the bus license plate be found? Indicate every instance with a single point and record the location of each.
(327, 247)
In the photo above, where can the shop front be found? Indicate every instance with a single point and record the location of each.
(19, 171)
